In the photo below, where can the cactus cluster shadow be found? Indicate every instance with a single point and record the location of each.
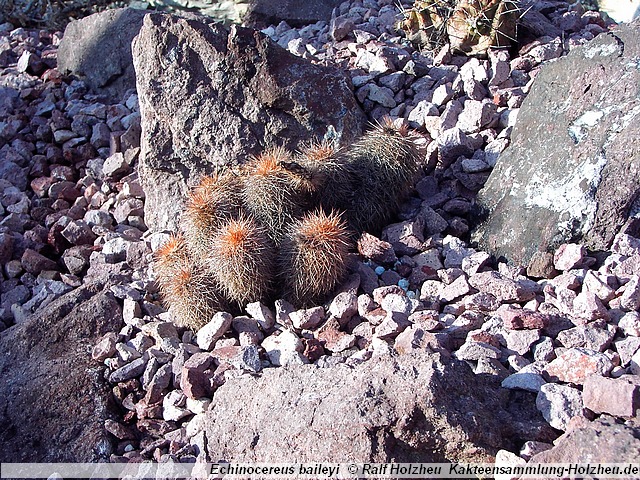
(283, 225)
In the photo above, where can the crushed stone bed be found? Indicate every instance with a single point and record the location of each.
(72, 211)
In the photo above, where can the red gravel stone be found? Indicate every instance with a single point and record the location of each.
(575, 365)
(517, 319)
(34, 263)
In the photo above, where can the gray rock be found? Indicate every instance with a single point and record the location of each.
(520, 341)
(529, 449)
(44, 293)
(79, 233)
(212, 331)
(626, 347)
(405, 237)
(373, 63)
(98, 217)
(265, 12)
(604, 440)
(105, 348)
(18, 294)
(283, 349)
(46, 371)
(97, 49)
(476, 351)
(340, 27)
(332, 414)
(395, 81)
(307, 319)
(263, 315)
(630, 299)
(243, 357)
(394, 302)
(393, 324)
(545, 193)
(375, 249)
(381, 95)
(115, 250)
(575, 365)
(126, 292)
(286, 100)
(128, 207)
(115, 166)
(568, 256)
(195, 379)
(171, 409)
(14, 174)
(344, 306)
(6, 247)
(165, 335)
(559, 404)
(589, 336)
(433, 221)
(100, 135)
(477, 115)
(528, 381)
(130, 370)
(160, 380)
(617, 397)
(130, 310)
(505, 289)
(454, 290)
(421, 111)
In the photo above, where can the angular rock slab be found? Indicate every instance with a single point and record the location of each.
(53, 397)
(572, 171)
(212, 96)
(601, 441)
(413, 408)
(97, 49)
(264, 12)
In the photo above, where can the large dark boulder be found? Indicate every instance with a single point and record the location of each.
(212, 96)
(53, 397)
(97, 49)
(572, 171)
(265, 12)
(412, 408)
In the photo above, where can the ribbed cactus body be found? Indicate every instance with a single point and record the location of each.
(188, 289)
(212, 202)
(242, 260)
(283, 224)
(383, 166)
(313, 257)
(275, 191)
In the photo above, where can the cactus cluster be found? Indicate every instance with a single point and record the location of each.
(282, 225)
(471, 27)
